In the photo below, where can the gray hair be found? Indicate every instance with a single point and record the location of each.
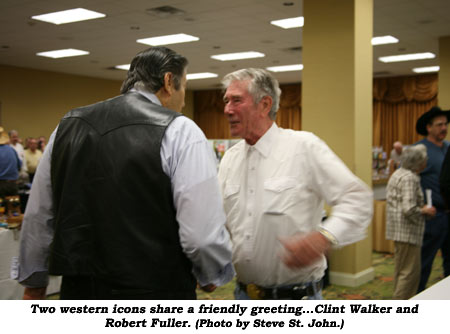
(414, 156)
(262, 83)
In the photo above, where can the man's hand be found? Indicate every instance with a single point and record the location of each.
(428, 211)
(302, 250)
(34, 293)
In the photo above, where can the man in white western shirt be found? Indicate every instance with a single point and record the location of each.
(274, 185)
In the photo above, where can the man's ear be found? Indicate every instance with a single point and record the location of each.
(266, 103)
(168, 83)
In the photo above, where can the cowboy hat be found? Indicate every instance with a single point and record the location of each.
(4, 138)
(427, 118)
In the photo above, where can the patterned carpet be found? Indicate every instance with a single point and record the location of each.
(379, 288)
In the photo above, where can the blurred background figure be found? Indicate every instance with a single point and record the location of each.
(41, 143)
(405, 211)
(32, 157)
(14, 142)
(9, 166)
(395, 157)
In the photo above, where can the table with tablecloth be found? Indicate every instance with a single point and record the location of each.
(9, 249)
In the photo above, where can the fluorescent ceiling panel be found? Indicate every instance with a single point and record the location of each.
(426, 69)
(204, 75)
(384, 40)
(412, 56)
(69, 16)
(285, 68)
(62, 53)
(168, 39)
(125, 67)
(238, 55)
(293, 22)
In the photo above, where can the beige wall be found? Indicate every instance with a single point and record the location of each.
(33, 102)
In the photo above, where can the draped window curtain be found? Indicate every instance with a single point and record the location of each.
(397, 104)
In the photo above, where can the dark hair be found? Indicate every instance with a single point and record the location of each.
(149, 67)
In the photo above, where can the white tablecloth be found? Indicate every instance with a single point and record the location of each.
(9, 248)
(438, 291)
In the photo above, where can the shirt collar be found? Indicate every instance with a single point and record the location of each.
(150, 96)
(264, 144)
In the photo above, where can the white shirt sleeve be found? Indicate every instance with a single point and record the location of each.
(188, 159)
(37, 226)
(351, 199)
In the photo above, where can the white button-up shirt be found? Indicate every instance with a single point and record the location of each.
(277, 188)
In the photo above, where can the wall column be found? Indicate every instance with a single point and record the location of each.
(337, 104)
(444, 73)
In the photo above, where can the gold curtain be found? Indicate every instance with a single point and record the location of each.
(397, 104)
(208, 114)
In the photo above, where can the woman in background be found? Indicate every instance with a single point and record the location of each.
(405, 219)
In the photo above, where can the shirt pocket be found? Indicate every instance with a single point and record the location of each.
(231, 198)
(279, 194)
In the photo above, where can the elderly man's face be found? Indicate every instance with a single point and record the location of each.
(14, 138)
(32, 144)
(243, 114)
(438, 128)
(178, 96)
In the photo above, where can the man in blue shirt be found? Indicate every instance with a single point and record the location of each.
(433, 125)
(9, 166)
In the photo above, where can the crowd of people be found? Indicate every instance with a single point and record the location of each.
(19, 161)
(159, 221)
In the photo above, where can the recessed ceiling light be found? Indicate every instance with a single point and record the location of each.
(125, 67)
(412, 56)
(238, 55)
(62, 53)
(285, 68)
(384, 40)
(293, 22)
(426, 69)
(168, 39)
(204, 75)
(68, 16)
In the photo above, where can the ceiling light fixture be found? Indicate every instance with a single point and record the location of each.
(69, 16)
(293, 22)
(238, 55)
(380, 40)
(62, 53)
(426, 69)
(124, 67)
(285, 68)
(412, 56)
(204, 75)
(168, 39)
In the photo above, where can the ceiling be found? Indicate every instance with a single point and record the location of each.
(223, 26)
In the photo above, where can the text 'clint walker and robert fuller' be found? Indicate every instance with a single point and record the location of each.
(235, 309)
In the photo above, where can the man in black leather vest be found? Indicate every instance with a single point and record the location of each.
(129, 178)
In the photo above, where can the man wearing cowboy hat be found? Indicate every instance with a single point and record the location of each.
(433, 125)
(9, 166)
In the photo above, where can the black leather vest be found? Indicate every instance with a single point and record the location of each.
(114, 213)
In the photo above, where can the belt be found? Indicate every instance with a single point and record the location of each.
(296, 291)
